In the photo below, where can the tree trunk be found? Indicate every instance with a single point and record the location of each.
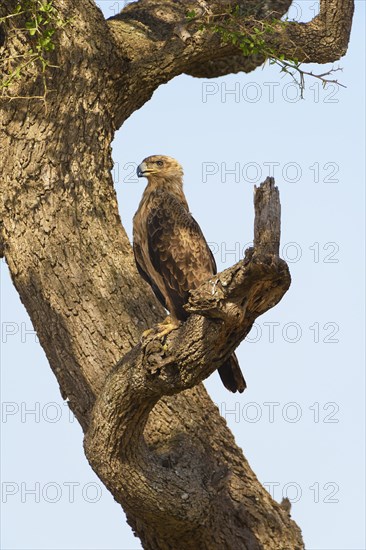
(154, 437)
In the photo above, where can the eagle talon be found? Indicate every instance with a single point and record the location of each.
(161, 329)
(146, 333)
(166, 329)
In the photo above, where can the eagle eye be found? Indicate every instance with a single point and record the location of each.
(159, 162)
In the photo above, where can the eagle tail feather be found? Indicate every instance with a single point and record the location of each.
(231, 375)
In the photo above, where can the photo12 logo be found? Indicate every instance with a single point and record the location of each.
(253, 172)
(50, 492)
(274, 411)
(326, 493)
(292, 252)
(36, 412)
(267, 92)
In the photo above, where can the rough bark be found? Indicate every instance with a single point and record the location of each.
(71, 263)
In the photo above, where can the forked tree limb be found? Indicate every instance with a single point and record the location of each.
(181, 486)
(159, 42)
(150, 42)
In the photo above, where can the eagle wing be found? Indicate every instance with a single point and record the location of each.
(178, 251)
(139, 263)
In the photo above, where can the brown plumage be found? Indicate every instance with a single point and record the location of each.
(170, 250)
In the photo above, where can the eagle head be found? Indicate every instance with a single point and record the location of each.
(160, 169)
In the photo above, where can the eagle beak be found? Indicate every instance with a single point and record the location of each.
(141, 170)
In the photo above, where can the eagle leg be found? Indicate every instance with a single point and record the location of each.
(162, 329)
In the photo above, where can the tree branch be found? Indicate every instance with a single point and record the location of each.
(149, 43)
(322, 40)
(154, 482)
(161, 43)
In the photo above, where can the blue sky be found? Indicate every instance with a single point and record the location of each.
(301, 420)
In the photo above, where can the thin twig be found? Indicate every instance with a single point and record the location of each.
(289, 68)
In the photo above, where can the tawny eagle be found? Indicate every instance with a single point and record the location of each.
(170, 250)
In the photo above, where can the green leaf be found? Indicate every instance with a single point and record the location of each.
(46, 7)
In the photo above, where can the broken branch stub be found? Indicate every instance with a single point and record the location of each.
(267, 222)
(259, 281)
